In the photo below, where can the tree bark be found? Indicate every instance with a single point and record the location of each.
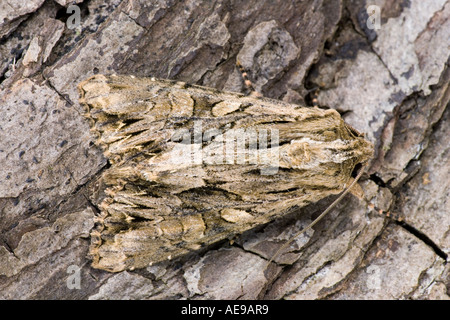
(384, 68)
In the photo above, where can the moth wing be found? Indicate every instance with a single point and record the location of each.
(175, 185)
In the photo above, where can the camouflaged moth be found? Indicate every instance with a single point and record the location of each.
(192, 165)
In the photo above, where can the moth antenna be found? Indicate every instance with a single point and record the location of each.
(323, 214)
(248, 83)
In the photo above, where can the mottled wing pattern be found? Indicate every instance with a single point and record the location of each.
(160, 206)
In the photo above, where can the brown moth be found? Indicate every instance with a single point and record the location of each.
(192, 165)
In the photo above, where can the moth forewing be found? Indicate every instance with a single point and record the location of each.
(192, 165)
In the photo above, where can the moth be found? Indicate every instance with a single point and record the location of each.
(192, 165)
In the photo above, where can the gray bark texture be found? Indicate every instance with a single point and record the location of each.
(385, 68)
